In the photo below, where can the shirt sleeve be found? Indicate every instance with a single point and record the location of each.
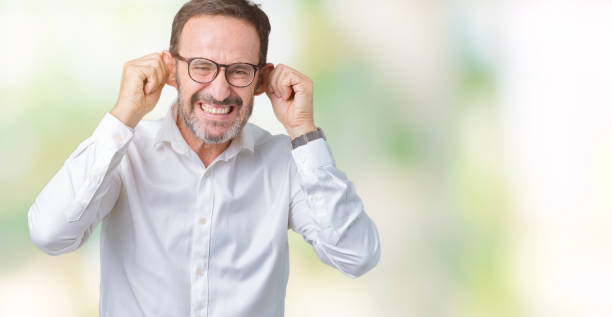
(328, 213)
(82, 192)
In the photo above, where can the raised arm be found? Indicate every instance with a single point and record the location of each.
(325, 208)
(87, 186)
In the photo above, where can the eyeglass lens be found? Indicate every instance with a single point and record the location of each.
(204, 71)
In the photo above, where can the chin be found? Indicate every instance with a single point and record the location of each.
(215, 134)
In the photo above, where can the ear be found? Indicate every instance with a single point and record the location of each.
(263, 78)
(171, 67)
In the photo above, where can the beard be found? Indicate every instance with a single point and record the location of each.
(200, 126)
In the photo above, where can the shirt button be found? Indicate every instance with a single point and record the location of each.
(202, 221)
(200, 272)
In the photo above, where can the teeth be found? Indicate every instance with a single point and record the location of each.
(216, 110)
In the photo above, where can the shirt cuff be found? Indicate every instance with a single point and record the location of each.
(313, 155)
(112, 133)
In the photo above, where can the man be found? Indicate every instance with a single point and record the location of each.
(195, 207)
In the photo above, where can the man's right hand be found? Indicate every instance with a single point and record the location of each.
(141, 85)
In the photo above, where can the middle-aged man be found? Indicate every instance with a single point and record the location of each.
(195, 207)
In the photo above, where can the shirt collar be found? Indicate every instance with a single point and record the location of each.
(170, 134)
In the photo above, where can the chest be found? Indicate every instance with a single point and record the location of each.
(230, 206)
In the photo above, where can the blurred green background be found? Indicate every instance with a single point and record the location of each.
(455, 120)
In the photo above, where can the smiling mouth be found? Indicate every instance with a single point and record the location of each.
(218, 110)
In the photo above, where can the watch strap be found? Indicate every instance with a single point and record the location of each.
(305, 138)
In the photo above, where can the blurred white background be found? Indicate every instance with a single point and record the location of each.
(478, 134)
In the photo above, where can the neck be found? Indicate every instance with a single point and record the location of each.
(205, 151)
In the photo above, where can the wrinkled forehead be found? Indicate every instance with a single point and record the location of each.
(220, 38)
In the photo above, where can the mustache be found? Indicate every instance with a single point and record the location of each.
(229, 101)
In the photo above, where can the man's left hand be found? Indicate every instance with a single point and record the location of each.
(291, 95)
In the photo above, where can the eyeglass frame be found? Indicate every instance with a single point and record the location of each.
(218, 65)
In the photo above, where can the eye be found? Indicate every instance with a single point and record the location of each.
(241, 70)
(203, 67)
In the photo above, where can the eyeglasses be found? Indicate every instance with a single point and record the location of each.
(203, 71)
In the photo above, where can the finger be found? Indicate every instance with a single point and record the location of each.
(134, 76)
(278, 81)
(265, 76)
(160, 67)
(154, 71)
(159, 71)
(291, 81)
(271, 92)
(164, 69)
(151, 55)
(301, 84)
(152, 80)
(287, 83)
(149, 59)
(273, 98)
(272, 81)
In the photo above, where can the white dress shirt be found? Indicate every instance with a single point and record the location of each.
(182, 239)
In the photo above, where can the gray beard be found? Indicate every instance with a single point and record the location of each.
(199, 130)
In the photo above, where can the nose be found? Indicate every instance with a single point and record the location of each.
(219, 88)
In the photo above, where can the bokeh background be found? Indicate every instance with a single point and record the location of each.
(477, 132)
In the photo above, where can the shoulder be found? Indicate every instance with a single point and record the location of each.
(149, 127)
(147, 131)
(266, 144)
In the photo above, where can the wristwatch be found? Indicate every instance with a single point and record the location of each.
(305, 138)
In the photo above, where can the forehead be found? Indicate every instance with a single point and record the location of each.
(220, 38)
